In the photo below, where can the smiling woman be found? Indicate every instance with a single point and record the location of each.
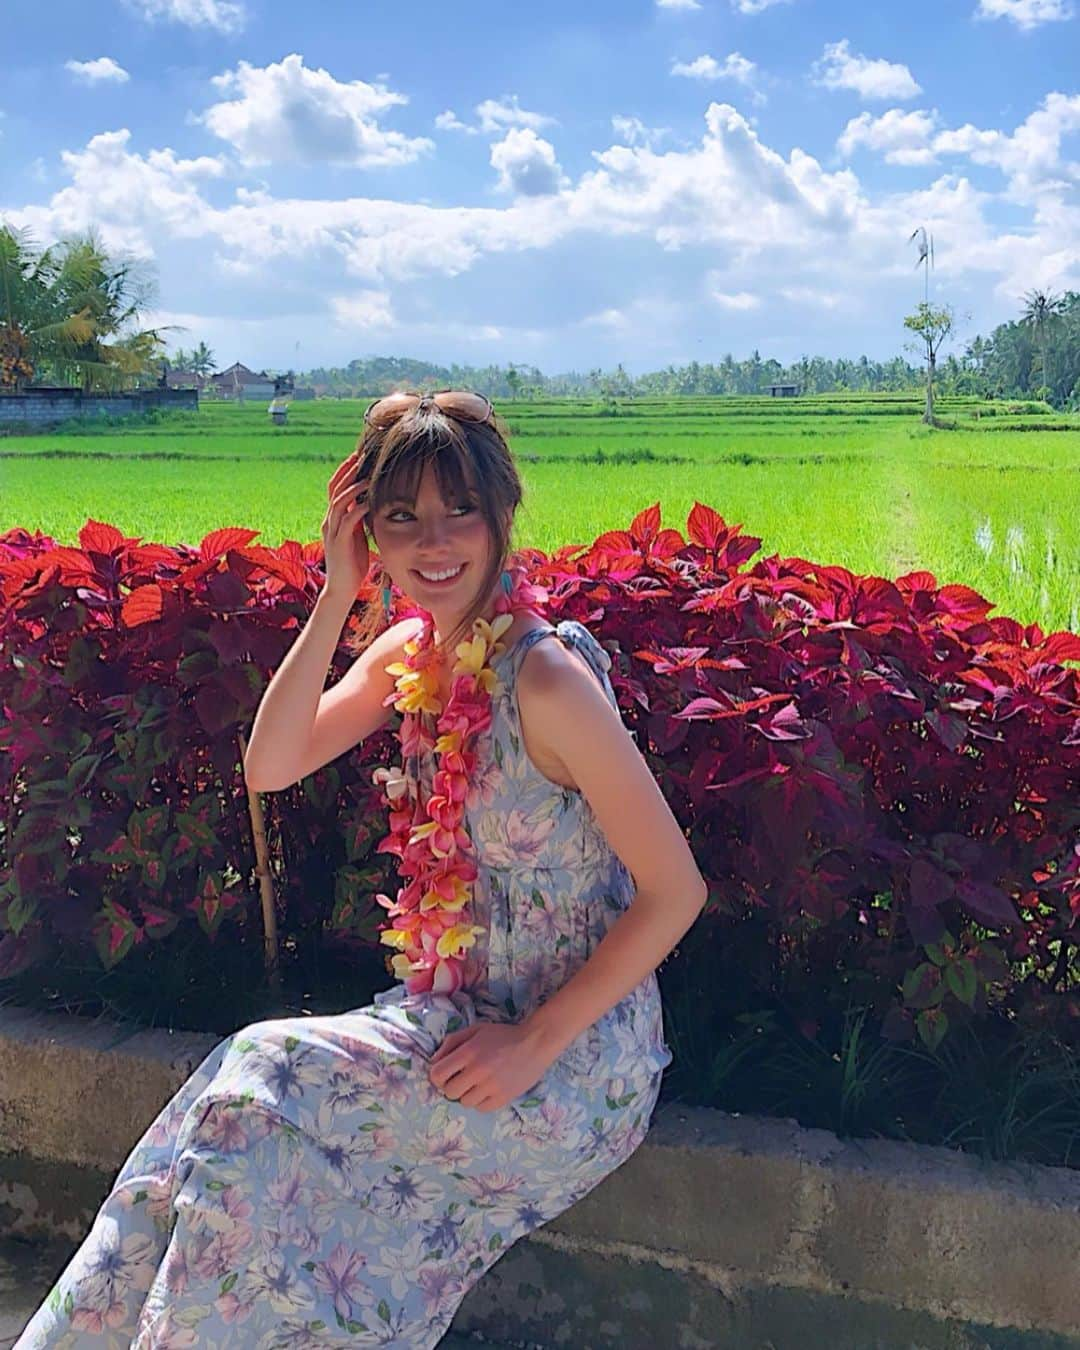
(361, 1170)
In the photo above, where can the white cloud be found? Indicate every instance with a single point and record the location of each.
(227, 16)
(363, 309)
(526, 163)
(634, 131)
(102, 70)
(754, 6)
(740, 301)
(496, 115)
(771, 219)
(133, 200)
(707, 67)
(1030, 158)
(290, 113)
(735, 67)
(903, 137)
(613, 319)
(838, 68)
(449, 121)
(809, 295)
(677, 4)
(1025, 14)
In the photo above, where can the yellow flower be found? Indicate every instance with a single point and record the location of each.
(394, 937)
(417, 690)
(422, 831)
(472, 654)
(433, 900)
(403, 967)
(462, 935)
(451, 740)
(484, 643)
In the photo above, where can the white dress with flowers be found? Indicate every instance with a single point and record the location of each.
(308, 1186)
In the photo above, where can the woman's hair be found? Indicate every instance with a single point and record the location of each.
(464, 455)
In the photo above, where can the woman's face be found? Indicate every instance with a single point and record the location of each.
(430, 535)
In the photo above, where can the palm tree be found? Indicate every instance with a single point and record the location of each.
(71, 312)
(1041, 315)
(113, 292)
(35, 322)
(202, 359)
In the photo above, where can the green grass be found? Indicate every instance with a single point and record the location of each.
(853, 480)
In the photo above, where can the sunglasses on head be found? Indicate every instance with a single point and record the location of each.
(461, 404)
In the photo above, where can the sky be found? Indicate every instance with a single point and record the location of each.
(567, 185)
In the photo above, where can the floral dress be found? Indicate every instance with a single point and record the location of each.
(308, 1186)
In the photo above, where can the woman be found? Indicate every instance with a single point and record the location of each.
(346, 1179)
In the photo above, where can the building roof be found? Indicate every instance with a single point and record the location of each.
(238, 373)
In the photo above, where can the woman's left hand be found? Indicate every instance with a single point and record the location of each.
(488, 1064)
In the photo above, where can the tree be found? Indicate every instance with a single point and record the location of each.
(70, 311)
(513, 379)
(36, 324)
(933, 325)
(1041, 315)
(202, 360)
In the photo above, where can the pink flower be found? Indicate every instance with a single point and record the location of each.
(428, 924)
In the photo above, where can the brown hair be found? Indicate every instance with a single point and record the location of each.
(394, 458)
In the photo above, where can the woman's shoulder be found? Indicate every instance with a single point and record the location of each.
(540, 670)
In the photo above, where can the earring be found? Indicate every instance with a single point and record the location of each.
(507, 582)
(386, 602)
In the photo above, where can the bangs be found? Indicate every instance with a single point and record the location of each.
(406, 455)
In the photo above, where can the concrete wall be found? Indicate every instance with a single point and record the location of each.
(46, 407)
(721, 1231)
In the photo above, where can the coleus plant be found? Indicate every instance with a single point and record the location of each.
(888, 774)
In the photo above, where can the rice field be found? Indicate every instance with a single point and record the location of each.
(993, 503)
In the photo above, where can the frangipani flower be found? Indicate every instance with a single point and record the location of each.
(429, 926)
(393, 778)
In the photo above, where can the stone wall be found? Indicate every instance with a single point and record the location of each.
(722, 1232)
(41, 408)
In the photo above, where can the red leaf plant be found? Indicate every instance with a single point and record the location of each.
(885, 774)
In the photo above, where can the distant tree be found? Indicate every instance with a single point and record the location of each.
(933, 326)
(1041, 315)
(201, 360)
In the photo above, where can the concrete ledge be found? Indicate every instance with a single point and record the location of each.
(720, 1231)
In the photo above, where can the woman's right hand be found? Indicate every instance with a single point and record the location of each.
(345, 545)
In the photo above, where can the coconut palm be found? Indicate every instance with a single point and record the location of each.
(114, 292)
(71, 311)
(36, 324)
(1041, 315)
(202, 360)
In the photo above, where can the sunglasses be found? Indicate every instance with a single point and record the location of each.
(460, 404)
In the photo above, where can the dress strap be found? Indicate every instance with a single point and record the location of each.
(577, 636)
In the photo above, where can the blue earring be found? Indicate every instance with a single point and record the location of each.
(507, 582)
(386, 602)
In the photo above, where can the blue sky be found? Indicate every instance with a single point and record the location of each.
(569, 186)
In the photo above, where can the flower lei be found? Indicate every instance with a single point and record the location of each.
(429, 921)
